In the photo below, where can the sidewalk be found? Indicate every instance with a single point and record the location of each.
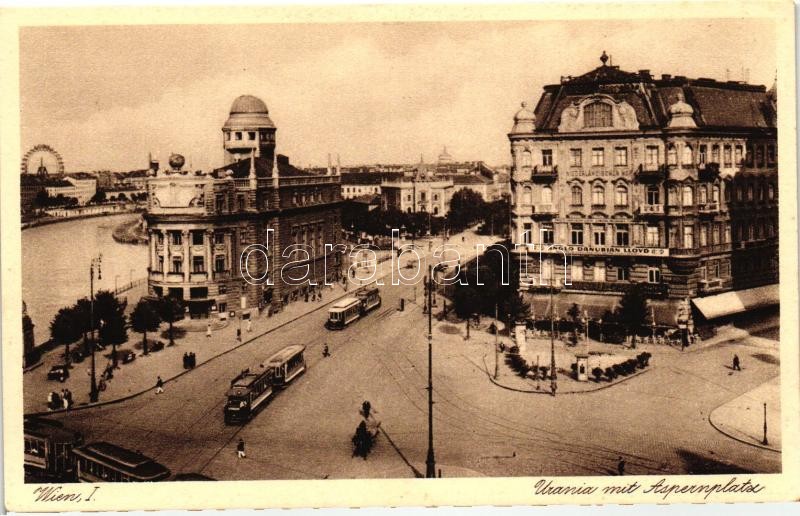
(742, 418)
(141, 374)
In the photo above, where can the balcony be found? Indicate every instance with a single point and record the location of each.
(544, 209)
(708, 208)
(651, 209)
(155, 275)
(544, 173)
(710, 285)
(174, 277)
(681, 252)
(651, 173)
(198, 277)
(222, 275)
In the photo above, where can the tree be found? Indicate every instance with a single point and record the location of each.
(574, 313)
(65, 328)
(110, 312)
(466, 207)
(598, 374)
(98, 197)
(143, 319)
(632, 311)
(83, 315)
(170, 310)
(466, 301)
(122, 197)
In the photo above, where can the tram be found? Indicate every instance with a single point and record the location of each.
(106, 462)
(287, 364)
(248, 391)
(48, 451)
(348, 310)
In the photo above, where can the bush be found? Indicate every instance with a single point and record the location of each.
(543, 370)
(630, 365)
(610, 373)
(619, 369)
(518, 364)
(574, 367)
(598, 374)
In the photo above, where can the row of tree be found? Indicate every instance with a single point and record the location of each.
(101, 196)
(108, 319)
(45, 200)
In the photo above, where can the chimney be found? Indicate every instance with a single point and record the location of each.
(329, 165)
(338, 165)
(666, 77)
(645, 74)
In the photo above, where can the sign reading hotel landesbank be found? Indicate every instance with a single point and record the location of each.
(660, 252)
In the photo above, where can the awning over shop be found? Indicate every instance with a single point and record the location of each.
(730, 303)
(665, 311)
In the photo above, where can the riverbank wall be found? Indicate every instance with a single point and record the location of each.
(56, 220)
(130, 232)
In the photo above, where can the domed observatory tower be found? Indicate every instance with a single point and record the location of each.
(248, 130)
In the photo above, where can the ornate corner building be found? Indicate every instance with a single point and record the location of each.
(671, 183)
(202, 226)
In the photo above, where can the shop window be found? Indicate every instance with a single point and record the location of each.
(576, 270)
(623, 274)
(653, 275)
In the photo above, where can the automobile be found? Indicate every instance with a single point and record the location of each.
(128, 356)
(58, 372)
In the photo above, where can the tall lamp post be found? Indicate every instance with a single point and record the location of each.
(765, 441)
(553, 381)
(430, 462)
(96, 262)
(496, 349)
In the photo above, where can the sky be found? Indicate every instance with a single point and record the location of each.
(105, 96)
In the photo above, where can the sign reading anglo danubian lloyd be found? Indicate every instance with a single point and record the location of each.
(145, 346)
(659, 252)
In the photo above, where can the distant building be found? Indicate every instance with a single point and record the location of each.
(365, 183)
(105, 179)
(29, 188)
(422, 192)
(79, 185)
(671, 183)
(200, 226)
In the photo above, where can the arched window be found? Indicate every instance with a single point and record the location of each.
(526, 159)
(688, 197)
(687, 154)
(653, 195)
(527, 197)
(715, 193)
(672, 155)
(597, 114)
(672, 196)
(547, 195)
(577, 195)
(702, 195)
(598, 195)
(621, 195)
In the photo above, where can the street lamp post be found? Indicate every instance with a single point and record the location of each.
(115, 284)
(553, 381)
(131, 276)
(765, 441)
(430, 462)
(94, 393)
(496, 349)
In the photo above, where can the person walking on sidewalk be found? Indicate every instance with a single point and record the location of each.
(208, 331)
(621, 466)
(325, 351)
(240, 449)
(736, 365)
(249, 325)
(159, 385)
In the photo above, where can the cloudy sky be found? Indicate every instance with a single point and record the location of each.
(106, 96)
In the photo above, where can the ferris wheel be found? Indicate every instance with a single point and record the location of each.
(42, 160)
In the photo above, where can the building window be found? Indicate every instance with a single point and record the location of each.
(220, 204)
(620, 156)
(672, 155)
(547, 233)
(527, 237)
(715, 154)
(653, 195)
(737, 155)
(197, 238)
(702, 151)
(251, 135)
(702, 194)
(547, 268)
(547, 157)
(176, 237)
(547, 195)
(160, 238)
(219, 264)
(240, 202)
(598, 157)
(622, 237)
(177, 265)
(197, 264)
(715, 193)
(653, 275)
(771, 154)
(408, 197)
(687, 155)
(704, 235)
(750, 192)
(688, 199)
(727, 157)
(238, 135)
(575, 157)
(435, 197)
(621, 195)
(576, 270)
(727, 236)
(771, 192)
(759, 156)
(651, 155)
(652, 236)
(577, 195)
(160, 264)
(526, 159)
(598, 195)
(599, 235)
(422, 196)
(576, 234)
(688, 237)
(527, 196)
(597, 114)
(600, 270)
(623, 274)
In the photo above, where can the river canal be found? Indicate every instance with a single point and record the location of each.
(55, 265)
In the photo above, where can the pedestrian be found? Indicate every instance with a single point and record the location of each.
(50, 397)
(68, 394)
(249, 325)
(159, 385)
(192, 360)
(239, 334)
(365, 408)
(736, 365)
(240, 449)
(325, 351)
(621, 466)
(186, 360)
(64, 401)
(208, 331)
(56, 401)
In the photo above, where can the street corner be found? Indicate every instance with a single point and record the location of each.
(753, 418)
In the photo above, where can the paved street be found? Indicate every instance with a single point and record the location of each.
(657, 421)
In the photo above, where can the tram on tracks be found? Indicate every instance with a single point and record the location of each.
(106, 462)
(251, 390)
(48, 451)
(350, 309)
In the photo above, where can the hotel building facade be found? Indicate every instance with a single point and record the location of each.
(200, 225)
(668, 182)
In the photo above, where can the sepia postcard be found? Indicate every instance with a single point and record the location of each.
(524, 254)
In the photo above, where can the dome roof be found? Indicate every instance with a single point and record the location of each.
(249, 112)
(248, 104)
(524, 120)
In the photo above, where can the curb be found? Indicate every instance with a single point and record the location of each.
(37, 365)
(738, 439)
(548, 393)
